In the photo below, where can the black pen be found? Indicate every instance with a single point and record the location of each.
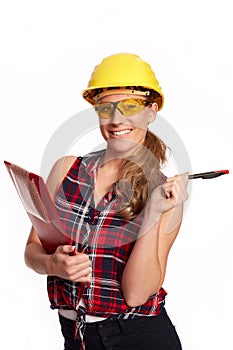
(208, 175)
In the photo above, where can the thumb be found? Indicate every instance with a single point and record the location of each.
(65, 249)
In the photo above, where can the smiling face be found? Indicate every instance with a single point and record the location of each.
(124, 133)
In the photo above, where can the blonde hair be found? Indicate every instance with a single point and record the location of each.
(140, 175)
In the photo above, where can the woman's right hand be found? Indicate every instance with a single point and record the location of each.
(76, 268)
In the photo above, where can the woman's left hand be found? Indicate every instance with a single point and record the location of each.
(169, 195)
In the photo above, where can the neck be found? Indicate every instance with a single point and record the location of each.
(112, 162)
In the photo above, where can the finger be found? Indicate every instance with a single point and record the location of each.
(180, 182)
(80, 270)
(85, 279)
(72, 266)
(81, 258)
(183, 176)
(175, 191)
(79, 266)
(171, 187)
(84, 275)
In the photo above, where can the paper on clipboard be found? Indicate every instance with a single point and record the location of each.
(39, 206)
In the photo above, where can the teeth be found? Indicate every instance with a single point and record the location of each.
(120, 133)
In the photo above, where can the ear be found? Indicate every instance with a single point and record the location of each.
(153, 112)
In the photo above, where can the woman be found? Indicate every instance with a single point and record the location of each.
(118, 208)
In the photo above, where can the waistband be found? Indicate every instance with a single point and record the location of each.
(72, 315)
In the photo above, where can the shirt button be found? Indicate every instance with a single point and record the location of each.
(100, 326)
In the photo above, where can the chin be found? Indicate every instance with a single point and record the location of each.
(123, 147)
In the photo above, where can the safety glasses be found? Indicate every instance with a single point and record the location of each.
(127, 107)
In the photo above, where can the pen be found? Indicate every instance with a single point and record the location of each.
(208, 175)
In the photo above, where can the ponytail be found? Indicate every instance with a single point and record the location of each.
(140, 176)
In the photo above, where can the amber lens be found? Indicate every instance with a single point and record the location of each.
(127, 107)
(131, 106)
(104, 110)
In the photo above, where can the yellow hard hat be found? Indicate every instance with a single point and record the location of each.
(127, 71)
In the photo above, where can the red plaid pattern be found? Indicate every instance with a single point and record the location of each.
(106, 238)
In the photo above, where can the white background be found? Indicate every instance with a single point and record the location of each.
(48, 51)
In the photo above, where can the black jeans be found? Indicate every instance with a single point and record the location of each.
(143, 333)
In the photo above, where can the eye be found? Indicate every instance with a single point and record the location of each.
(130, 106)
(103, 108)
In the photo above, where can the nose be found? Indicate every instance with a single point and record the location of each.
(117, 117)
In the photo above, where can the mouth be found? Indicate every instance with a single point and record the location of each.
(121, 132)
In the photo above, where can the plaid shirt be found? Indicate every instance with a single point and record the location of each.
(107, 239)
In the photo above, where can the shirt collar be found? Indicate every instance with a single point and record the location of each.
(93, 160)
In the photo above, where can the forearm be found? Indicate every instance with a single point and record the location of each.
(145, 270)
(142, 273)
(37, 258)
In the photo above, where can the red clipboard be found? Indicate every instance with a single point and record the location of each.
(39, 206)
